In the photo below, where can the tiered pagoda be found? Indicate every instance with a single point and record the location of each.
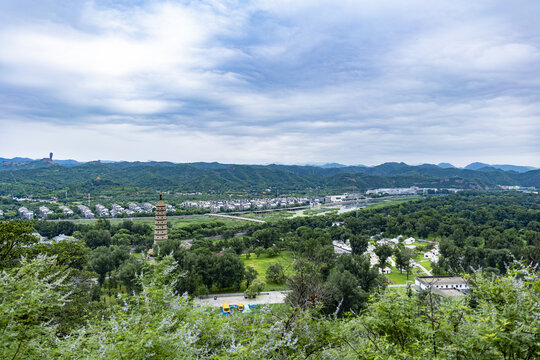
(160, 228)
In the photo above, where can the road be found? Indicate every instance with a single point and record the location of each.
(236, 218)
(424, 269)
(267, 297)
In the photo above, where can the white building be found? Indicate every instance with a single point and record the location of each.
(135, 208)
(409, 241)
(443, 285)
(85, 211)
(25, 213)
(341, 248)
(67, 211)
(44, 211)
(147, 207)
(102, 211)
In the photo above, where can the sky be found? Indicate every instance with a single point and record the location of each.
(258, 82)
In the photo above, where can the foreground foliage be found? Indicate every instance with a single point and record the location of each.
(500, 320)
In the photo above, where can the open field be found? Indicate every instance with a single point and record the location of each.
(263, 263)
(271, 216)
(175, 221)
(378, 203)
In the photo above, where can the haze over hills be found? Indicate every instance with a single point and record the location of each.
(45, 177)
(24, 162)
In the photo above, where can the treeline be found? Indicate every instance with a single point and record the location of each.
(498, 320)
(475, 229)
(141, 180)
(96, 296)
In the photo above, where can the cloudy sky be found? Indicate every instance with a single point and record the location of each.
(356, 82)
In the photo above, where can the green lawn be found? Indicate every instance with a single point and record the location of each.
(378, 203)
(263, 263)
(396, 278)
(321, 211)
(270, 216)
(175, 221)
(425, 263)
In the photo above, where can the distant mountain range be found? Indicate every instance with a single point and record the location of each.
(46, 177)
(25, 163)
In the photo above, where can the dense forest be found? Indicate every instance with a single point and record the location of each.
(92, 297)
(135, 177)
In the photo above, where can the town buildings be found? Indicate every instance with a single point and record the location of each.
(67, 211)
(25, 213)
(85, 211)
(44, 211)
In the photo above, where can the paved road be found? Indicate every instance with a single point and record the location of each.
(424, 269)
(236, 218)
(268, 297)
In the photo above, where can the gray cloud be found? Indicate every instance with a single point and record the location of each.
(308, 81)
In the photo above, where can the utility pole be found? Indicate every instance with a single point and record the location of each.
(88, 200)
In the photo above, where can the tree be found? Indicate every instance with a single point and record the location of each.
(237, 244)
(359, 244)
(96, 238)
(251, 274)
(31, 296)
(127, 273)
(403, 258)
(345, 293)
(266, 237)
(258, 251)
(119, 254)
(15, 238)
(255, 288)
(101, 261)
(275, 273)
(272, 251)
(306, 285)
(122, 237)
(228, 270)
(383, 252)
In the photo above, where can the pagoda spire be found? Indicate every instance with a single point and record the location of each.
(160, 227)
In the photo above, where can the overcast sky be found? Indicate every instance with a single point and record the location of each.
(355, 82)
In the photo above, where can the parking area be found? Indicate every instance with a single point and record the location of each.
(269, 297)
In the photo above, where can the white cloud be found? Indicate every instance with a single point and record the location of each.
(272, 81)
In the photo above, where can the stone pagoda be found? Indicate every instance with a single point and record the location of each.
(160, 228)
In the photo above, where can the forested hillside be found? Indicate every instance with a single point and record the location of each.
(108, 178)
(98, 295)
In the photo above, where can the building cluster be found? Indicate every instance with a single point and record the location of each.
(25, 213)
(56, 239)
(67, 211)
(343, 247)
(413, 190)
(102, 211)
(117, 209)
(44, 211)
(85, 211)
(246, 204)
(343, 197)
(433, 254)
(132, 209)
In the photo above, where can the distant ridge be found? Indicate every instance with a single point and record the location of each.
(446, 165)
(379, 170)
(223, 178)
(516, 168)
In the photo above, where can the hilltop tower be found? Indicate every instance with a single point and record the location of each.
(160, 228)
